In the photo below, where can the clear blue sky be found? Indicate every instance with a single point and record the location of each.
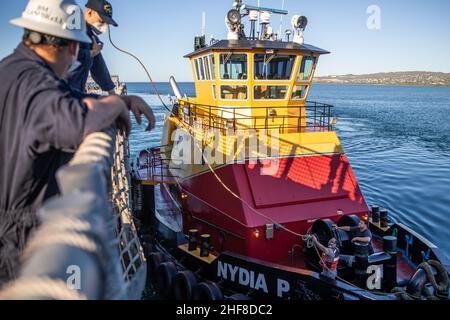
(414, 34)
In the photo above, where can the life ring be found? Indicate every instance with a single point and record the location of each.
(207, 291)
(183, 285)
(164, 277)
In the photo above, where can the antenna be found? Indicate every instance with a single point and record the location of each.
(281, 18)
(259, 6)
(203, 24)
(200, 41)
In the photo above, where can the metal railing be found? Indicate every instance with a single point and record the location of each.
(312, 117)
(154, 166)
(87, 246)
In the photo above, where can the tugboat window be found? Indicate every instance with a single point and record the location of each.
(202, 69)
(197, 69)
(273, 66)
(299, 92)
(270, 92)
(233, 92)
(306, 68)
(207, 69)
(233, 66)
(212, 61)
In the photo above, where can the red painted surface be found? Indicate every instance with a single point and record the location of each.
(304, 180)
(302, 190)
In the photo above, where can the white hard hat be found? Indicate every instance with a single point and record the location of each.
(59, 18)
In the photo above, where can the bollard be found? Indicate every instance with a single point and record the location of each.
(384, 218)
(193, 240)
(375, 214)
(205, 245)
(361, 264)
(390, 267)
(390, 244)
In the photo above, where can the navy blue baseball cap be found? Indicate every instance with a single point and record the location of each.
(104, 9)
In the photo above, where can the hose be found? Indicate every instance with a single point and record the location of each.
(143, 67)
(228, 189)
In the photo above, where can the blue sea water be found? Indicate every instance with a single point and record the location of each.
(396, 137)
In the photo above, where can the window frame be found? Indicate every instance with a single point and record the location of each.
(207, 68)
(293, 74)
(308, 86)
(212, 63)
(214, 87)
(315, 60)
(240, 85)
(234, 53)
(205, 61)
(286, 97)
(202, 68)
(197, 69)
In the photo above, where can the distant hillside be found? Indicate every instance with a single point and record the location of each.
(393, 78)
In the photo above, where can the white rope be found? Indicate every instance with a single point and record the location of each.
(40, 288)
(213, 207)
(46, 237)
(228, 189)
(69, 224)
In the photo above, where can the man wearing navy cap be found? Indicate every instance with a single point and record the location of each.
(98, 15)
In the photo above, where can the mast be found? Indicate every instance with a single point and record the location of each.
(281, 20)
(203, 24)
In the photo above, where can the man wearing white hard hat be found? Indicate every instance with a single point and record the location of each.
(42, 119)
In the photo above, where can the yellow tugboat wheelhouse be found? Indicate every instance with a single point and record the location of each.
(258, 88)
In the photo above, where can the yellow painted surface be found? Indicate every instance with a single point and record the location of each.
(196, 254)
(232, 148)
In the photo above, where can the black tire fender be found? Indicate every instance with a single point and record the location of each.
(207, 291)
(183, 285)
(164, 277)
(154, 260)
(238, 297)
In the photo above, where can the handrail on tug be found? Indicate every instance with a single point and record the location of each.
(87, 246)
(312, 117)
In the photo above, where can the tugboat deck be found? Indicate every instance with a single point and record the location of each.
(405, 270)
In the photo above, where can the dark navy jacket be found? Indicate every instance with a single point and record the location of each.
(41, 120)
(97, 66)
